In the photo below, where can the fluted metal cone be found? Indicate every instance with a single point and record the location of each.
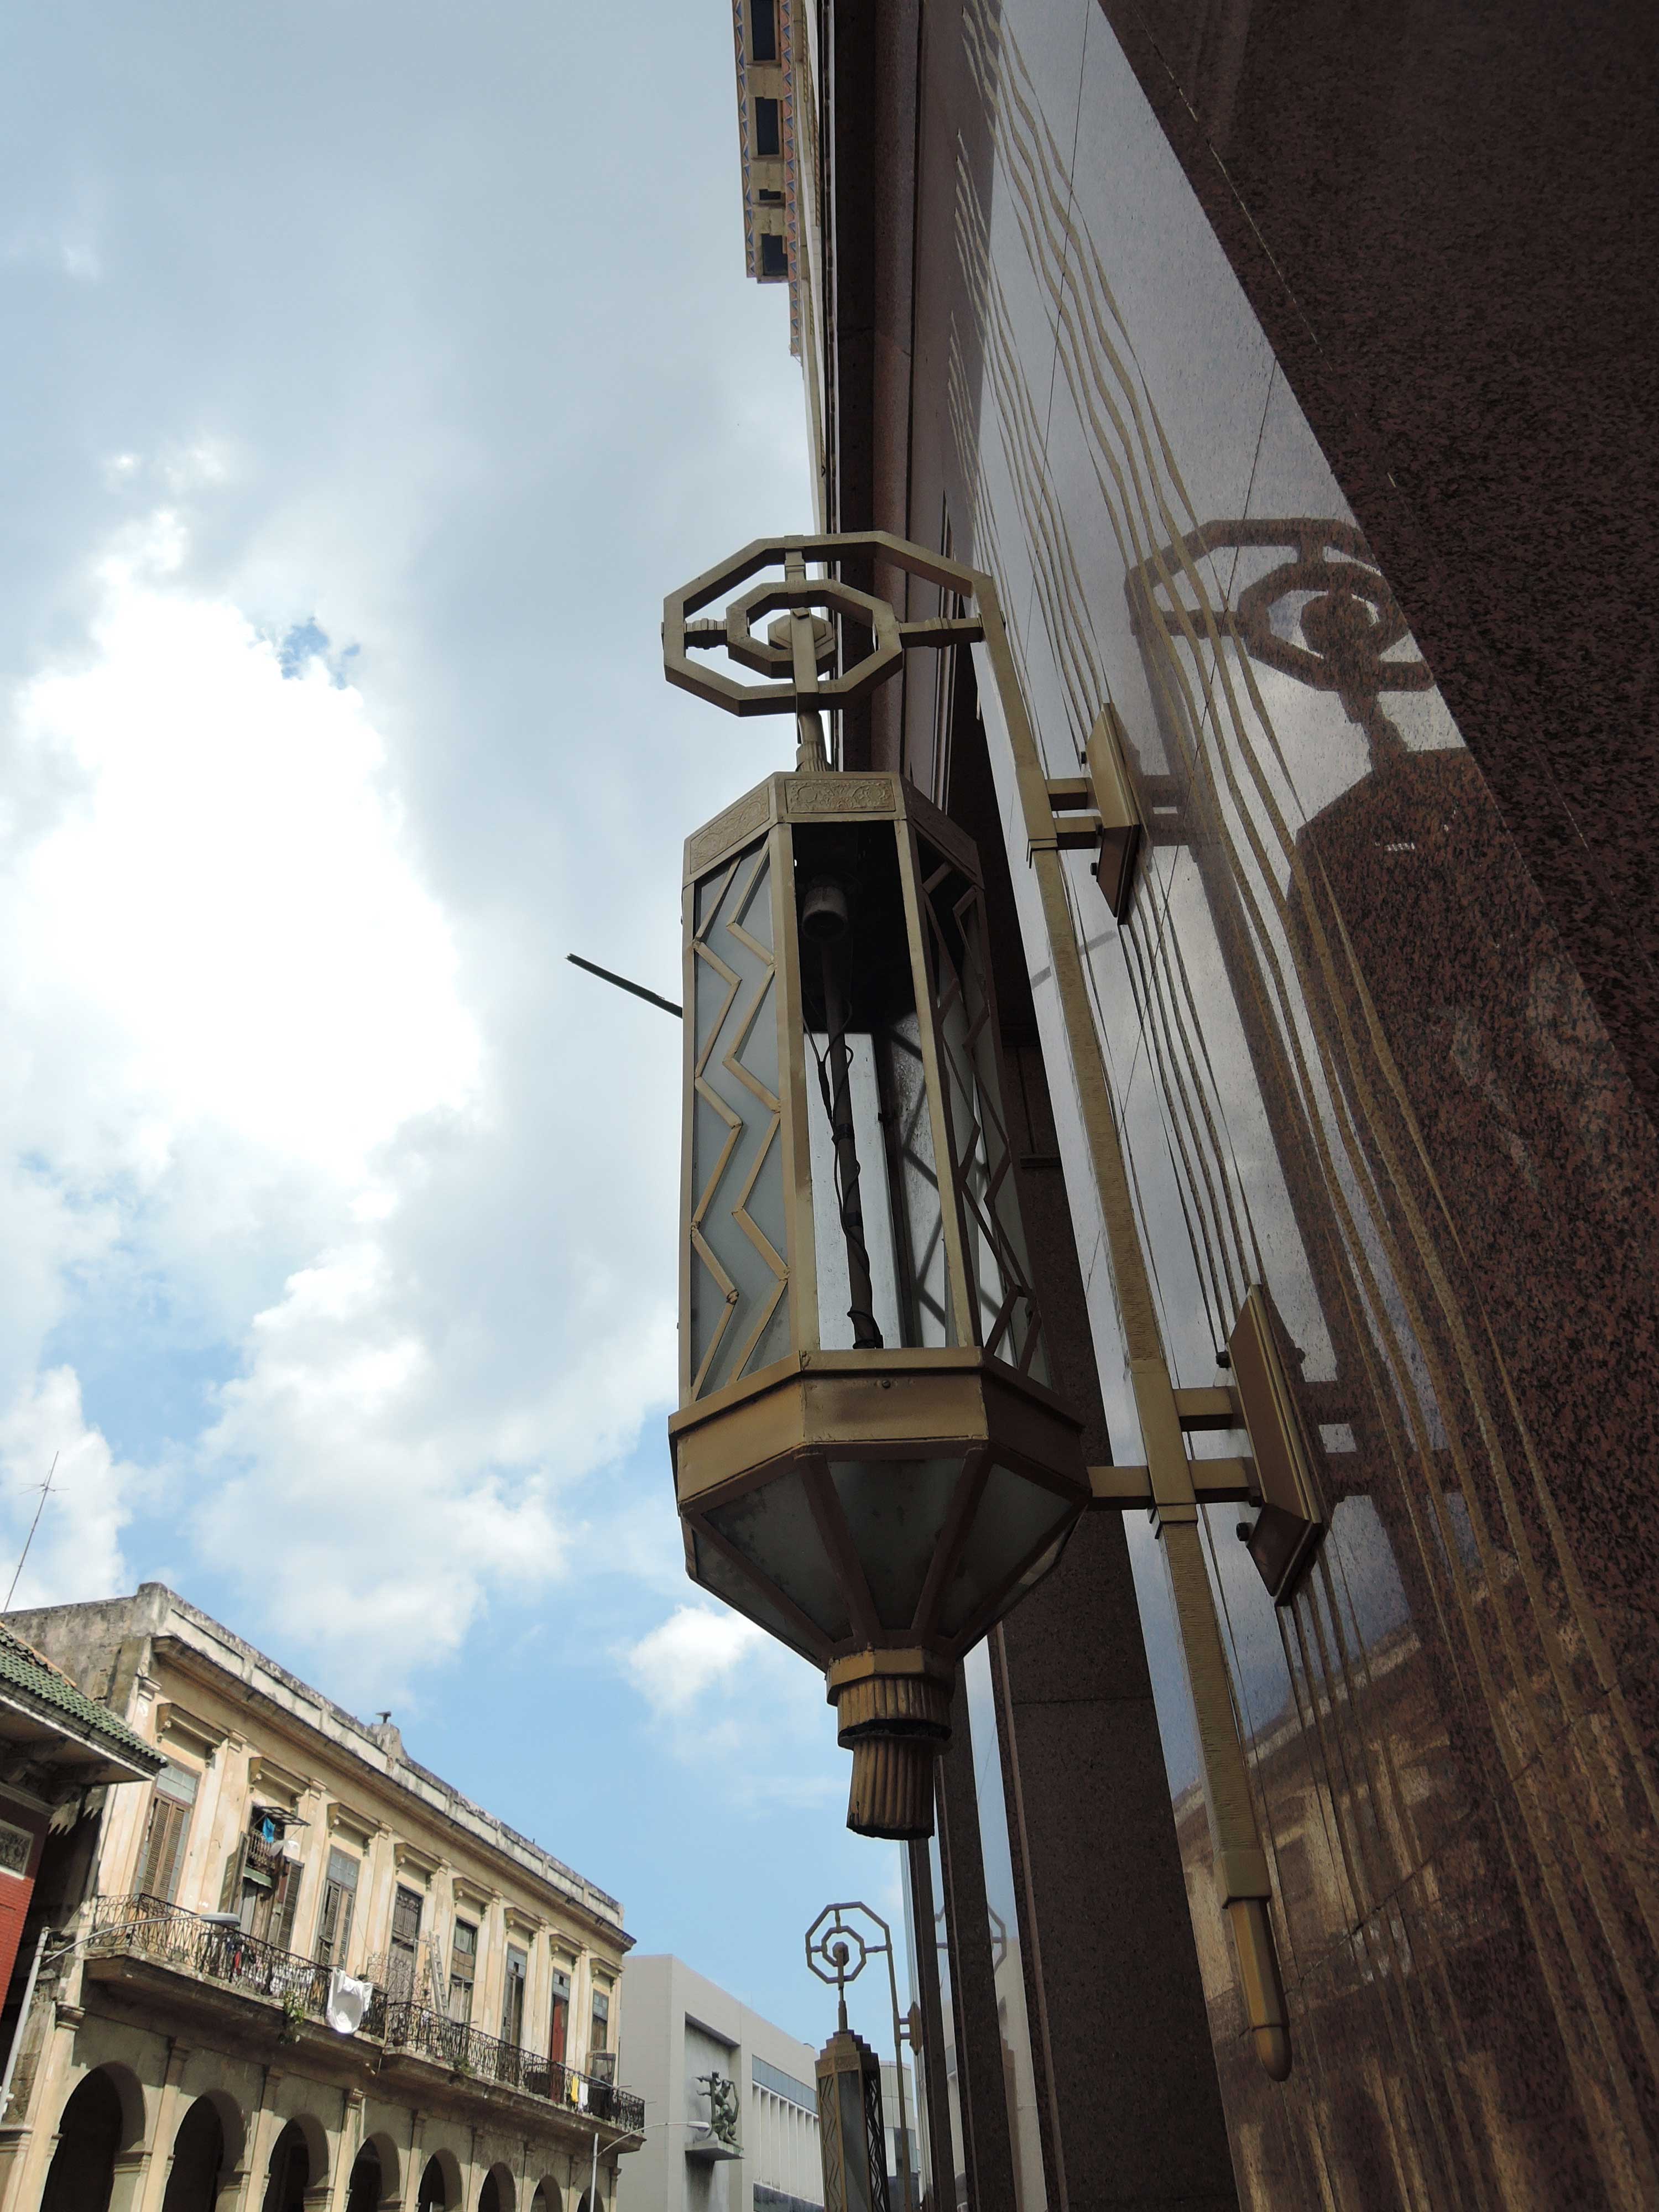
(892, 1792)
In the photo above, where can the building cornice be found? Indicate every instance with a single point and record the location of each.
(567, 1892)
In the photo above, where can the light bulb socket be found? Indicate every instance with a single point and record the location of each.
(824, 918)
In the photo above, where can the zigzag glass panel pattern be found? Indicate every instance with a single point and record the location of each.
(740, 1267)
(1007, 1322)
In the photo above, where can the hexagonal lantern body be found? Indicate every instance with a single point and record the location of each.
(868, 1458)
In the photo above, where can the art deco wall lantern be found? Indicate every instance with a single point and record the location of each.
(868, 1457)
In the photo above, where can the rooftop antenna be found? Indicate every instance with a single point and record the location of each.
(45, 1488)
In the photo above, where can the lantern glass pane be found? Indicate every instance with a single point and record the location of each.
(851, 2125)
(875, 1203)
(1016, 1519)
(1006, 1320)
(895, 1511)
(738, 1316)
(722, 1575)
(773, 1526)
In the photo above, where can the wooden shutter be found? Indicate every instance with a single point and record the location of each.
(405, 1935)
(163, 1858)
(559, 2028)
(518, 1965)
(285, 1903)
(463, 1970)
(339, 1899)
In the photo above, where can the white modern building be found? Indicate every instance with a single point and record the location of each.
(733, 2121)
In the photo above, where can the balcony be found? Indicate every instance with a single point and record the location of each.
(149, 1928)
(468, 2052)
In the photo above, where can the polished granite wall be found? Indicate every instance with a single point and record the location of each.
(1446, 214)
(1354, 1059)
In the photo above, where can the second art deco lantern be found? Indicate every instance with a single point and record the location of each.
(869, 1459)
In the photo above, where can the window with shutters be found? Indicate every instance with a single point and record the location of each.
(599, 2038)
(463, 1970)
(262, 1884)
(163, 1859)
(517, 1970)
(558, 2037)
(339, 1902)
(405, 1940)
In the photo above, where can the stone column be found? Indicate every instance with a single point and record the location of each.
(351, 2141)
(26, 2146)
(132, 2165)
(131, 2172)
(263, 2127)
(417, 2162)
(167, 2126)
(233, 2189)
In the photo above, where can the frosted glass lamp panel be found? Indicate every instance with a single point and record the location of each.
(875, 1198)
(725, 1579)
(773, 1527)
(1006, 1323)
(896, 1512)
(1015, 1520)
(739, 1314)
(919, 1218)
(1004, 1229)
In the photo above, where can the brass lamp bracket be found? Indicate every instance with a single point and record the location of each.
(799, 688)
(1097, 812)
(1278, 1479)
(1291, 1525)
(1211, 1481)
(1215, 1482)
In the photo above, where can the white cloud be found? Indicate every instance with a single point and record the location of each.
(297, 1089)
(379, 1513)
(256, 1074)
(727, 1697)
(76, 1550)
(225, 900)
(687, 1654)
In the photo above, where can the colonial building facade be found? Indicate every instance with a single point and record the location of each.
(297, 1968)
(1285, 371)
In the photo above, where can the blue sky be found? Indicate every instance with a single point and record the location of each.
(368, 373)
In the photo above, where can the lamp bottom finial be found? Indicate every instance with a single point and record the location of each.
(892, 1792)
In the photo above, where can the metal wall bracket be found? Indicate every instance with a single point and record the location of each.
(1214, 1481)
(1099, 809)
(1291, 1525)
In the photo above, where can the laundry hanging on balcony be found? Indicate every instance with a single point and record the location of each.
(348, 2000)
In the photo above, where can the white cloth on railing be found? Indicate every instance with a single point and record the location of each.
(348, 2000)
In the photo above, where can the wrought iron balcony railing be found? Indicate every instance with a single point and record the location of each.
(469, 2051)
(151, 1928)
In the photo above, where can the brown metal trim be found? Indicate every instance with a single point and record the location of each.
(964, 1503)
(832, 1523)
